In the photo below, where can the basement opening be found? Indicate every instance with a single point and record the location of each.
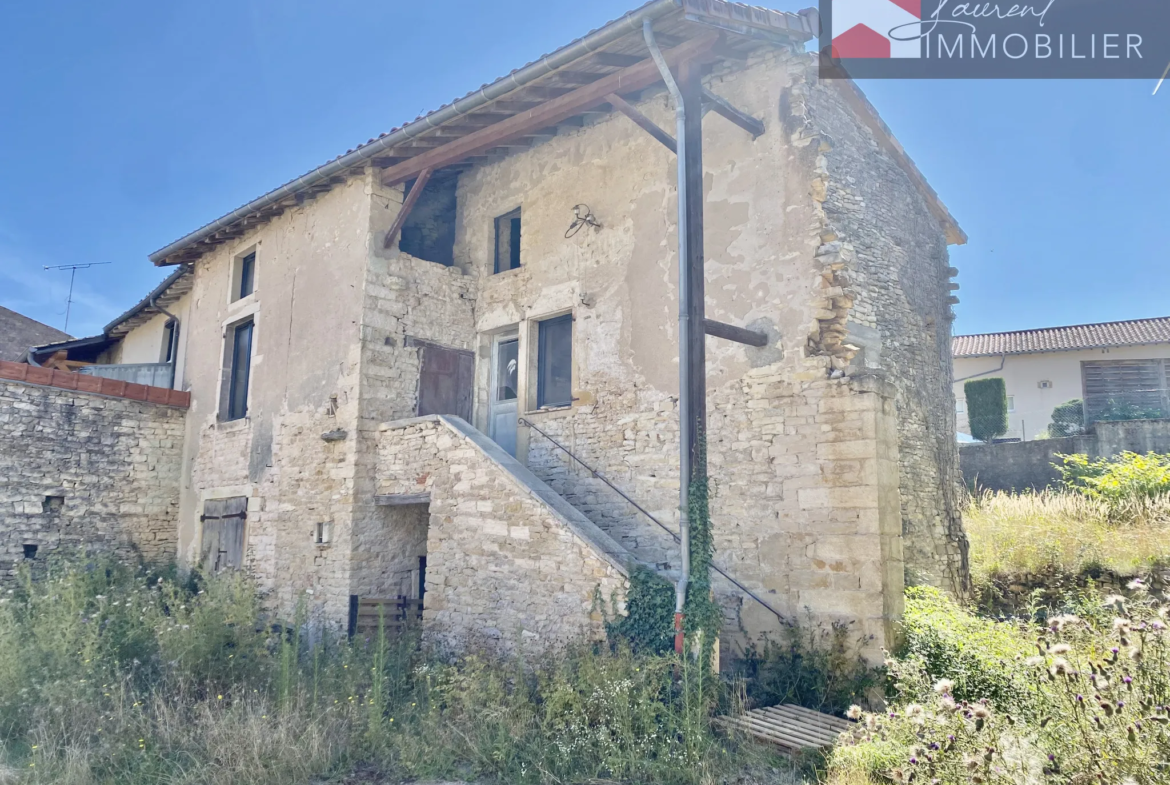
(429, 230)
(30, 550)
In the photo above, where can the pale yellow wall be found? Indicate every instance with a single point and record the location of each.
(307, 305)
(1022, 373)
(144, 344)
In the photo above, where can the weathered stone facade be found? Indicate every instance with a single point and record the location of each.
(84, 471)
(831, 448)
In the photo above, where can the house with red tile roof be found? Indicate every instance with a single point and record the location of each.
(1119, 370)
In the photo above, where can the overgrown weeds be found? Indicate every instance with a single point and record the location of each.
(108, 674)
(1088, 704)
(1056, 533)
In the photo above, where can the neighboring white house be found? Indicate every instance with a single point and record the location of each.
(1116, 368)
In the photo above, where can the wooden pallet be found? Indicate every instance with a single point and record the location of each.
(791, 728)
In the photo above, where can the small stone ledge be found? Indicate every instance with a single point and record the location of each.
(95, 385)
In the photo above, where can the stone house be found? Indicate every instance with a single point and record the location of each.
(410, 369)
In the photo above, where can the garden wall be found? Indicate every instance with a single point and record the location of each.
(1019, 466)
(86, 468)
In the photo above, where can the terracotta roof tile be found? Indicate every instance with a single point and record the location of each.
(1136, 332)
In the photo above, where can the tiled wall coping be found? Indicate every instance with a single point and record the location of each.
(48, 377)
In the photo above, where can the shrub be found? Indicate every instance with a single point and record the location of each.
(944, 641)
(986, 408)
(1120, 479)
(1068, 419)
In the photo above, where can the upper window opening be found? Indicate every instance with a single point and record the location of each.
(508, 241)
(429, 231)
(244, 276)
(554, 362)
(238, 365)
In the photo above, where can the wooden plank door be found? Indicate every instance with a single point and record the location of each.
(445, 379)
(223, 533)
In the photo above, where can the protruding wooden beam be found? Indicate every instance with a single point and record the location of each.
(549, 113)
(729, 332)
(643, 122)
(407, 205)
(742, 119)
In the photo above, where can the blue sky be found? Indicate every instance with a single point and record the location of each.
(124, 125)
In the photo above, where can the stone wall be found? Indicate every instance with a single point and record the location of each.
(80, 470)
(1020, 466)
(887, 311)
(510, 566)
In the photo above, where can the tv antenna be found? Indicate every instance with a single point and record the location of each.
(72, 268)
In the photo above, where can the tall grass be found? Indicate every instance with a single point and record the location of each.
(1056, 532)
(111, 675)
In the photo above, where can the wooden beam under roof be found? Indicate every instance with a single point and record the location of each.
(643, 122)
(407, 205)
(724, 108)
(549, 113)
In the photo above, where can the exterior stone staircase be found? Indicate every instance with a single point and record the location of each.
(510, 563)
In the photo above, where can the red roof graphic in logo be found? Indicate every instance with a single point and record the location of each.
(861, 28)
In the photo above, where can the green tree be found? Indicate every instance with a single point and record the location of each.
(1068, 419)
(986, 408)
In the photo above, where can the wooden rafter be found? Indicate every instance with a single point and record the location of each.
(725, 109)
(408, 205)
(549, 113)
(643, 122)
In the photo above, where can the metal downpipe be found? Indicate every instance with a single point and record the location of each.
(685, 419)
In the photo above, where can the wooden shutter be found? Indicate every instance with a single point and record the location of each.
(223, 533)
(445, 380)
(1138, 384)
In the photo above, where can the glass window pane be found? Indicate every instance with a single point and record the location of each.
(241, 370)
(507, 370)
(247, 274)
(555, 362)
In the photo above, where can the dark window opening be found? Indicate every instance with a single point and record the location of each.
(422, 576)
(168, 344)
(30, 550)
(239, 370)
(52, 504)
(429, 230)
(554, 362)
(508, 241)
(247, 276)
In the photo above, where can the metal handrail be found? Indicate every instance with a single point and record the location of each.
(643, 510)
